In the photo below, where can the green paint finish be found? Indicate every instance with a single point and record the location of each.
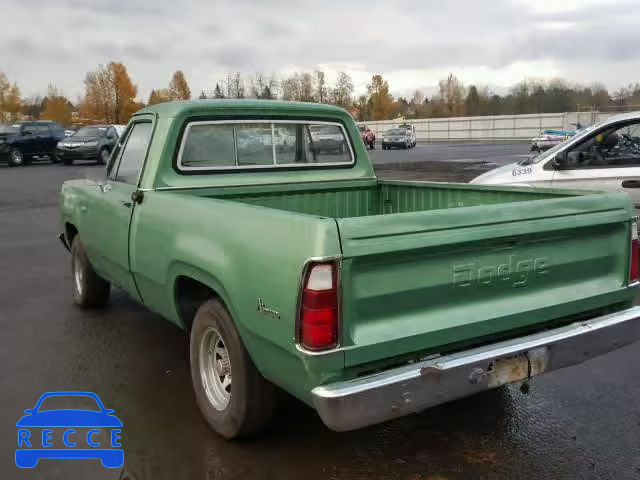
(427, 267)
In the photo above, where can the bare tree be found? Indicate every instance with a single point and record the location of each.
(342, 94)
(452, 95)
(306, 88)
(235, 87)
(290, 88)
(321, 93)
(262, 86)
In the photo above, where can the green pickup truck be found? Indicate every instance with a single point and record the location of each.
(291, 265)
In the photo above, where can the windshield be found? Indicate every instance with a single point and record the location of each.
(91, 132)
(395, 131)
(9, 128)
(552, 151)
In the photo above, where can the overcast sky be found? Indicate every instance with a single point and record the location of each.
(413, 43)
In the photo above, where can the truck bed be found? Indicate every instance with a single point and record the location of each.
(385, 197)
(426, 265)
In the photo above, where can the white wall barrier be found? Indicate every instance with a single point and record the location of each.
(497, 128)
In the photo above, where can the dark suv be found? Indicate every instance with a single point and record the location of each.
(22, 142)
(94, 142)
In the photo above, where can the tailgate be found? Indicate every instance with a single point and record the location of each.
(428, 281)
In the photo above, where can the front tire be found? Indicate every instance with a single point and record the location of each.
(16, 158)
(233, 396)
(89, 289)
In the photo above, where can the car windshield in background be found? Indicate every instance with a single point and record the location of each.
(552, 151)
(91, 132)
(396, 131)
(9, 128)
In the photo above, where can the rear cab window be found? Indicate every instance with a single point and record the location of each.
(251, 144)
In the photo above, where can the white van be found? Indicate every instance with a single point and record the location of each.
(605, 156)
(412, 133)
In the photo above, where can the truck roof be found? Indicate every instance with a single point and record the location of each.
(174, 108)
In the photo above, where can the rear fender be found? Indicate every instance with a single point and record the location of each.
(180, 269)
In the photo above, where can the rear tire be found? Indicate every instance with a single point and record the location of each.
(16, 158)
(89, 289)
(239, 409)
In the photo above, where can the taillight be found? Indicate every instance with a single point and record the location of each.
(633, 256)
(319, 310)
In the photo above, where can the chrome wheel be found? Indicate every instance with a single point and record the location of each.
(78, 275)
(16, 157)
(215, 369)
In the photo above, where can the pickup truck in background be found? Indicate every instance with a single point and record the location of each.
(411, 131)
(297, 268)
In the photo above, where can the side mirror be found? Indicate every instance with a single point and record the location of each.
(560, 161)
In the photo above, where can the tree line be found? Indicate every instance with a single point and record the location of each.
(110, 96)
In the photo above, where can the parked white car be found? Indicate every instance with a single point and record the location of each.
(605, 156)
(545, 141)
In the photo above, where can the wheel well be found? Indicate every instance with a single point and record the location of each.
(190, 294)
(70, 232)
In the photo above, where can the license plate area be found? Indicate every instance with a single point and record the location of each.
(517, 368)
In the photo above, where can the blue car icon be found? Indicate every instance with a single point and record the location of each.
(39, 427)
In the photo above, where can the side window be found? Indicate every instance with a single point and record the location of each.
(617, 146)
(133, 153)
(55, 129)
(29, 129)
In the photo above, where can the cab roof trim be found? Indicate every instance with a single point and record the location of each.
(172, 109)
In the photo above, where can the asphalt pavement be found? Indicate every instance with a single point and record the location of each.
(496, 154)
(580, 423)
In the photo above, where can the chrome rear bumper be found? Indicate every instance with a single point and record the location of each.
(393, 393)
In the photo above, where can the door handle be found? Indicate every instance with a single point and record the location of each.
(631, 184)
(127, 203)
